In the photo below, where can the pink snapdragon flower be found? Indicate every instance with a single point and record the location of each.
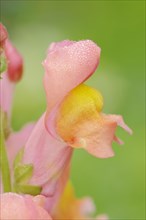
(73, 119)
(50, 157)
(40, 155)
(74, 110)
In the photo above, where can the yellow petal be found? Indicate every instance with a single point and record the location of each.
(82, 103)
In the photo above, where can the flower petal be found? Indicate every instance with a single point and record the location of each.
(96, 136)
(80, 123)
(81, 102)
(67, 65)
(58, 45)
(120, 122)
(14, 206)
(48, 156)
(52, 201)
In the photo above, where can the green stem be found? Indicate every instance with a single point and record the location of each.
(4, 164)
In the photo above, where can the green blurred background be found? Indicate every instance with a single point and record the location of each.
(116, 184)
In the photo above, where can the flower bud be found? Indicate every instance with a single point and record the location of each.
(3, 35)
(15, 62)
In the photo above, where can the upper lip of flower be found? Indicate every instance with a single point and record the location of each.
(67, 65)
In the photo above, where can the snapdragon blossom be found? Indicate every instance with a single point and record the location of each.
(39, 156)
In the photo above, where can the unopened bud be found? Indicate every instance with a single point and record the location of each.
(15, 62)
(3, 35)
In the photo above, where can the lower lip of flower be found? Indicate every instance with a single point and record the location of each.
(81, 104)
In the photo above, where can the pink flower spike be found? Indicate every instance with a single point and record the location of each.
(68, 64)
(14, 206)
(15, 62)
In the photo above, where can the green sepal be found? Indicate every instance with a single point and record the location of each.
(3, 64)
(18, 158)
(4, 162)
(28, 189)
(23, 173)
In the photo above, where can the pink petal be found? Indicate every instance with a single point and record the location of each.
(50, 120)
(52, 201)
(14, 206)
(49, 157)
(119, 120)
(96, 136)
(67, 65)
(106, 135)
(58, 45)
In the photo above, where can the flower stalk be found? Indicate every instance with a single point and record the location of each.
(4, 164)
